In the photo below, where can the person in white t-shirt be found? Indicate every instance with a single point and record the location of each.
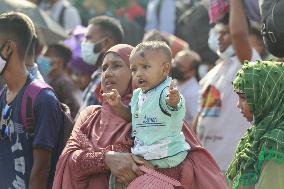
(63, 12)
(219, 123)
(161, 15)
(184, 70)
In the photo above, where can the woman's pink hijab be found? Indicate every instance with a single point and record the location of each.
(96, 129)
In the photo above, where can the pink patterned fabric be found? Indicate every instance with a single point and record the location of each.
(217, 9)
(153, 180)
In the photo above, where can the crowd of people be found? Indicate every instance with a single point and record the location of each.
(152, 105)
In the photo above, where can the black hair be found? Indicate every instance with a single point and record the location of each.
(109, 25)
(153, 46)
(62, 51)
(196, 60)
(17, 27)
(225, 20)
(155, 35)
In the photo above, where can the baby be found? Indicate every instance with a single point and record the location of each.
(157, 108)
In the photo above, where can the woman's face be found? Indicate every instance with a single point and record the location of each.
(116, 74)
(244, 107)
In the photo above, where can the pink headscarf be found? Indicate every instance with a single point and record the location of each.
(97, 130)
(124, 51)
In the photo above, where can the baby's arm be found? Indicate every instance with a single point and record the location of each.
(114, 100)
(173, 96)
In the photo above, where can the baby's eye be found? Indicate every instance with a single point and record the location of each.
(146, 66)
(133, 69)
(104, 68)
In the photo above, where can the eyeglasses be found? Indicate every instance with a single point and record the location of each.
(6, 116)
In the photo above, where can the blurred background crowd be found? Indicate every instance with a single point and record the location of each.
(183, 24)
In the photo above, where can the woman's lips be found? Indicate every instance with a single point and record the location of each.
(109, 83)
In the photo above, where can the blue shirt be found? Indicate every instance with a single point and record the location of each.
(16, 152)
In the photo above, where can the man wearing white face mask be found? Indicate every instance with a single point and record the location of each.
(219, 123)
(28, 152)
(102, 33)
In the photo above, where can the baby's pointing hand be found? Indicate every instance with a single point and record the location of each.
(173, 96)
(112, 97)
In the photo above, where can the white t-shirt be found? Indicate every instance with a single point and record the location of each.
(71, 17)
(189, 89)
(221, 124)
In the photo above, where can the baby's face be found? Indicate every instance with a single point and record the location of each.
(148, 69)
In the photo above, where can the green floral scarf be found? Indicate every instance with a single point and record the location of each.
(263, 85)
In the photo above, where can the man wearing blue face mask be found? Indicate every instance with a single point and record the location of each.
(102, 33)
(219, 123)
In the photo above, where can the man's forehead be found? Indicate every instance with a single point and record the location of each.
(93, 31)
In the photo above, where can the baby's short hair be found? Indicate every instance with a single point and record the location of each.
(155, 46)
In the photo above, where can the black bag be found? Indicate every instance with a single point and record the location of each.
(273, 29)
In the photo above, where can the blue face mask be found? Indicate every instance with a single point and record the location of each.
(44, 65)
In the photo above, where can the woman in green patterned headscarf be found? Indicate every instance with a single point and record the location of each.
(258, 162)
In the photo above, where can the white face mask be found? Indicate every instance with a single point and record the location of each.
(213, 42)
(88, 54)
(228, 53)
(3, 63)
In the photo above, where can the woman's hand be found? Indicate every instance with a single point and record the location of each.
(123, 166)
(113, 97)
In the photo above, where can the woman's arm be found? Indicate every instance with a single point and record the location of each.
(239, 31)
(125, 166)
(84, 160)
